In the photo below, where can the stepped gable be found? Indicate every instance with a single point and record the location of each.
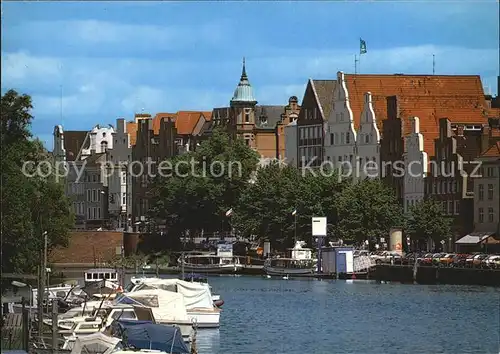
(460, 98)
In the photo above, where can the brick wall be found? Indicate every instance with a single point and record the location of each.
(88, 247)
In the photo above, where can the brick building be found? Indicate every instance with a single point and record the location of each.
(261, 126)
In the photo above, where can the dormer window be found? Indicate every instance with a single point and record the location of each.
(263, 120)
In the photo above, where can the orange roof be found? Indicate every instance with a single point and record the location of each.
(456, 97)
(493, 113)
(186, 121)
(492, 151)
(132, 131)
(157, 119)
(207, 115)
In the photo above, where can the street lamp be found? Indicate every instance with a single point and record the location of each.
(19, 284)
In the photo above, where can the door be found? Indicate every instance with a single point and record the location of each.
(341, 263)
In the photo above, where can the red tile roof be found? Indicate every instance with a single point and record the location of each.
(429, 97)
(186, 121)
(492, 151)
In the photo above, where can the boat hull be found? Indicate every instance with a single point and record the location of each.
(205, 318)
(292, 272)
(213, 269)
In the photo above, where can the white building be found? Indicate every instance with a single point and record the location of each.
(291, 147)
(100, 140)
(416, 166)
(120, 185)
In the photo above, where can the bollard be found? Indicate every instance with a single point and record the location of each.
(54, 326)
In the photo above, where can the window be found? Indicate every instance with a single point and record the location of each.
(455, 186)
(434, 185)
(89, 195)
(457, 207)
(439, 187)
(247, 117)
(347, 138)
(124, 199)
(481, 215)
(94, 211)
(332, 138)
(89, 215)
(489, 172)
(481, 192)
(367, 138)
(247, 141)
(99, 213)
(94, 195)
(342, 138)
(490, 214)
(450, 207)
(124, 178)
(490, 191)
(444, 206)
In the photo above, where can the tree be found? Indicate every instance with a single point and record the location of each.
(367, 211)
(427, 221)
(207, 183)
(31, 204)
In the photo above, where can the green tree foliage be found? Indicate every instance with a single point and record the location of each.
(30, 205)
(367, 211)
(204, 185)
(426, 220)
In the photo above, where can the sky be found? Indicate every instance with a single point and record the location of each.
(88, 63)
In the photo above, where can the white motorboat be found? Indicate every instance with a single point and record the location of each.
(166, 307)
(300, 263)
(196, 296)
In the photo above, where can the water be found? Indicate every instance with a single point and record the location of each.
(326, 317)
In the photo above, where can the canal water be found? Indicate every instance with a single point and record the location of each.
(325, 317)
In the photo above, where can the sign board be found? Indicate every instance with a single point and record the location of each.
(319, 226)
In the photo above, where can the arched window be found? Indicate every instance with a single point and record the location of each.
(104, 146)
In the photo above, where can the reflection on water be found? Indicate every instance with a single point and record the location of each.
(208, 341)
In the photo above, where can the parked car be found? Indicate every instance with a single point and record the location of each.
(386, 257)
(459, 260)
(409, 258)
(478, 260)
(447, 259)
(426, 259)
(492, 261)
(436, 258)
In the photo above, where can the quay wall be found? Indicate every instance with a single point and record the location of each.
(437, 275)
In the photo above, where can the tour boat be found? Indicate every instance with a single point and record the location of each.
(300, 263)
(221, 262)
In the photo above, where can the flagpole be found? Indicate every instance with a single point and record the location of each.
(295, 226)
(355, 64)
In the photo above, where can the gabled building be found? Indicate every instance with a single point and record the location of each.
(311, 128)
(260, 126)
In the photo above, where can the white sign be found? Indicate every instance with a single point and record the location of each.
(319, 226)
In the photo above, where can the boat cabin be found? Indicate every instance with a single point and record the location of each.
(299, 252)
(98, 274)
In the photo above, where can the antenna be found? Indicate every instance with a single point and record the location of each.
(61, 102)
(433, 64)
(355, 64)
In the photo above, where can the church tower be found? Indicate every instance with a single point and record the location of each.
(243, 109)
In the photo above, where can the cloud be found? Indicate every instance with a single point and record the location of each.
(111, 38)
(23, 68)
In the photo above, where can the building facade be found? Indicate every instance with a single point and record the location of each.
(487, 192)
(260, 126)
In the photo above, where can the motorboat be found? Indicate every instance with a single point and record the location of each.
(223, 262)
(193, 278)
(198, 278)
(166, 307)
(197, 298)
(299, 263)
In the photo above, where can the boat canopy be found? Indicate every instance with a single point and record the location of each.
(196, 295)
(95, 343)
(147, 335)
(166, 305)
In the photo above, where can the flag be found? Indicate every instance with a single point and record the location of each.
(362, 46)
(229, 212)
(294, 212)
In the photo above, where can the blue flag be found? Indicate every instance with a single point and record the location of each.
(362, 46)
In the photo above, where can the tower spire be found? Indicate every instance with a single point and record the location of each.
(244, 71)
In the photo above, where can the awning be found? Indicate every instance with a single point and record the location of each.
(474, 238)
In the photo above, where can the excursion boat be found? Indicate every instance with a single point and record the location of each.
(198, 278)
(300, 263)
(222, 262)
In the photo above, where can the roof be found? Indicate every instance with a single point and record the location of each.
(324, 91)
(244, 91)
(157, 120)
(266, 117)
(93, 159)
(207, 115)
(73, 143)
(474, 238)
(132, 132)
(492, 151)
(186, 121)
(460, 98)
(493, 113)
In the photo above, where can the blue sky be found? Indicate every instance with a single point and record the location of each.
(113, 59)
